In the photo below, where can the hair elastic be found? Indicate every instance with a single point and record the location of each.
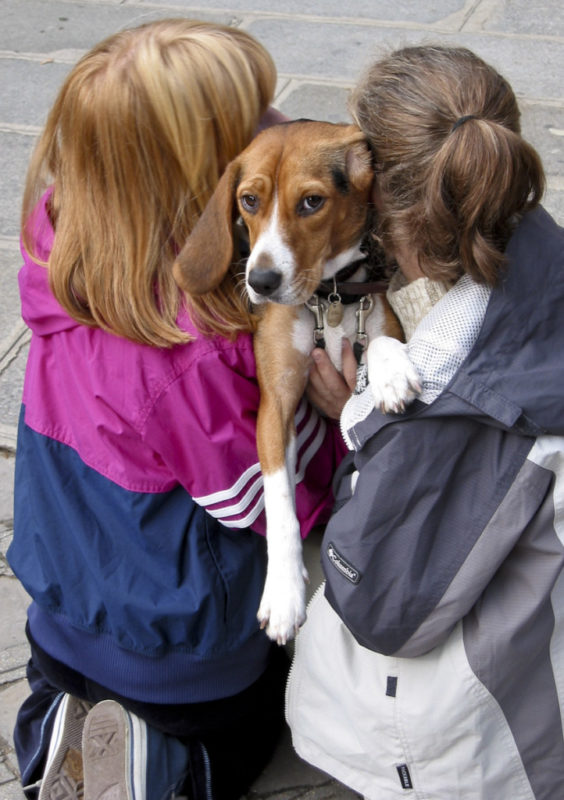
(461, 121)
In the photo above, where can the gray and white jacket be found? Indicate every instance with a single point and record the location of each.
(432, 664)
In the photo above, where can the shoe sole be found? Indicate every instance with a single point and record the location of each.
(107, 745)
(63, 777)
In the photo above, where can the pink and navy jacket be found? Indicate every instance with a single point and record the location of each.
(137, 492)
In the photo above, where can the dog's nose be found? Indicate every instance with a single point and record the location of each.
(264, 281)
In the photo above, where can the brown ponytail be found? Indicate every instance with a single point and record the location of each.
(453, 171)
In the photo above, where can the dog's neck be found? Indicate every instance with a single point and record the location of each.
(353, 281)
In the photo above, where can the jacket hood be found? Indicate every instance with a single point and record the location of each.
(515, 371)
(40, 311)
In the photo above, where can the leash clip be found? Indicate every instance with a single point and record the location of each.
(365, 306)
(317, 310)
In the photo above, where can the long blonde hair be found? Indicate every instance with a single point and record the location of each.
(134, 146)
(453, 172)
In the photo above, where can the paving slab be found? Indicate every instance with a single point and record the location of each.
(14, 653)
(372, 11)
(543, 126)
(526, 17)
(11, 384)
(42, 79)
(55, 28)
(10, 318)
(338, 53)
(314, 101)
(16, 150)
(7, 467)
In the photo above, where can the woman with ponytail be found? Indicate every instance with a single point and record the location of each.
(443, 608)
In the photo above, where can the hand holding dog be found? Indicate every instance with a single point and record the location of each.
(327, 388)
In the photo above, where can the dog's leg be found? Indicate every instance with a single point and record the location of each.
(282, 375)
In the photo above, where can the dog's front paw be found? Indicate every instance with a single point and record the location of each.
(393, 379)
(282, 606)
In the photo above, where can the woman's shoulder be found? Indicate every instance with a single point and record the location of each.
(191, 372)
(212, 347)
(39, 231)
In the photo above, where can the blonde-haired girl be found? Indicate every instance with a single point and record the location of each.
(443, 610)
(138, 491)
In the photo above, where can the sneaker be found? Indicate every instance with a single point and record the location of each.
(114, 748)
(63, 776)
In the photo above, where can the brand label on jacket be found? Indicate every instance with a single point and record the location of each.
(404, 776)
(340, 563)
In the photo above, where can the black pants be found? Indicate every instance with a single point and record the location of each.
(240, 733)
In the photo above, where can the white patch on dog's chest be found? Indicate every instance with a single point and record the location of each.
(302, 335)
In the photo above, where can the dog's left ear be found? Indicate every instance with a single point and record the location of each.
(359, 163)
(205, 258)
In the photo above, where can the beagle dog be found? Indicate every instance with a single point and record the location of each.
(303, 191)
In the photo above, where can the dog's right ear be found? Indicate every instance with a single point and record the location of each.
(205, 258)
(359, 163)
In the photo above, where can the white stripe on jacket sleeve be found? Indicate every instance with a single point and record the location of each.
(237, 510)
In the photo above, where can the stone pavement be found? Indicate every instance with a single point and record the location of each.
(320, 47)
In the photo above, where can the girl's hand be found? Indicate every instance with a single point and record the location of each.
(327, 389)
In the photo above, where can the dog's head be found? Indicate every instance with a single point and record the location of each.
(303, 191)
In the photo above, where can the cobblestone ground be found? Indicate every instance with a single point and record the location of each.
(320, 47)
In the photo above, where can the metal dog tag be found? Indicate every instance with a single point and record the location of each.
(335, 310)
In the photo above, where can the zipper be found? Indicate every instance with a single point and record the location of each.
(297, 640)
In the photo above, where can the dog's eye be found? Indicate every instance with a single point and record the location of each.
(250, 203)
(310, 204)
